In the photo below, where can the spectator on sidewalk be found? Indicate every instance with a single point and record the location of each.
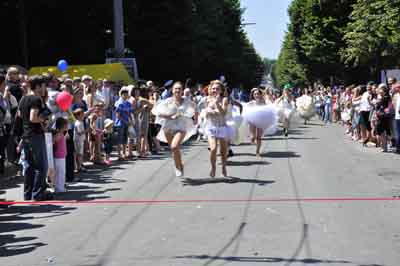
(328, 106)
(13, 83)
(79, 138)
(107, 139)
(384, 116)
(60, 153)
(365, 111)
(123, 113)
(167, 90)
(104, 92)
(34, 147)
(4, 113)
(396, 102)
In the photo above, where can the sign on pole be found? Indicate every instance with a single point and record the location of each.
(129, 63)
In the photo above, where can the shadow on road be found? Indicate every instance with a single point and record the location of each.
(244, 154)
(280, 154)
(261, 259)
(233, 180)
(17, 218)
(246, 163)
(12, 220)
(289, 138)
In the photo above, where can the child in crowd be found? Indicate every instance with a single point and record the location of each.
(123, 119)
(92, 136)
(107, 138)
(60, 153)
(79, 138)
(96, 127)
(99, 110)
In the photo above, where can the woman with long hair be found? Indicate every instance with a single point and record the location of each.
(385, 113)
(285, 104)
(260, 116)
(216, 129)
(232, 120)
(175, 114)
(256, 97)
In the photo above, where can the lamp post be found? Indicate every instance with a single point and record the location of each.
(119, 41)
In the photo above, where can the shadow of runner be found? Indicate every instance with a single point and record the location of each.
(280, 154)
(262, 259)
(233, 180)
(7, 249)
(289, 138)
(246, 163)
(10, 244)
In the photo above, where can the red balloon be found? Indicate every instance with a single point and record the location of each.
(64, 100)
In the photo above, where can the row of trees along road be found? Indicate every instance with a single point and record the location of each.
(339, 41)
(202, 39)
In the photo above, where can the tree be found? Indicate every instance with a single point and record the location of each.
(201, 39)
(373, 35)
(288, 70)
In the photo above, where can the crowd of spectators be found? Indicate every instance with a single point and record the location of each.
(370, 113)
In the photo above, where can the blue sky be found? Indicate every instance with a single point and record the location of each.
(272, 19)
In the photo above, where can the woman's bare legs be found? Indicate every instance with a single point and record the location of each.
(212, 142)
(253, 131)
(259, 133)
(224, 155)
(174, 142)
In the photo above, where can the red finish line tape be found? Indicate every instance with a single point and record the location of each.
(139, 202)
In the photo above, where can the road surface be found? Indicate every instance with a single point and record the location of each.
(139, 213)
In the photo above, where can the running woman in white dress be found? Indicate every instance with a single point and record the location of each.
(257, 99)
(285, 104)
(175, 116)
(216, 128)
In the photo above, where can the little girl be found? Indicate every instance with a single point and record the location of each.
(107, 139)
(79, 138)
(60, 152)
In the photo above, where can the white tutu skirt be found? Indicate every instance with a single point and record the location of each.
(261, 116)
(305, 107)
(224, 132)
(306, 112)
(236, 122)
(182, 124)
(346, 115)
(285, 114)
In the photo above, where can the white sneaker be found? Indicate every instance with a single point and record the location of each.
(178, 172)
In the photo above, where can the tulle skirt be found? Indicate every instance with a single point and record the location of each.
(236, 122)
(261, 116)
(220, 132)
(346, 115)
(285, 113)
(306, 112)
(182, 124)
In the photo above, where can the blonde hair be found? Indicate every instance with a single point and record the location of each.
(219, 83)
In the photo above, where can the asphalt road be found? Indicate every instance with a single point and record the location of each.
(157, 219)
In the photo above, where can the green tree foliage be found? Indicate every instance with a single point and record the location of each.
(373, 35)
(288, 69)
(315, 34)
(201, 39)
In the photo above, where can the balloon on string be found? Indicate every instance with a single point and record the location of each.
(62, 65)
(64, 100)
